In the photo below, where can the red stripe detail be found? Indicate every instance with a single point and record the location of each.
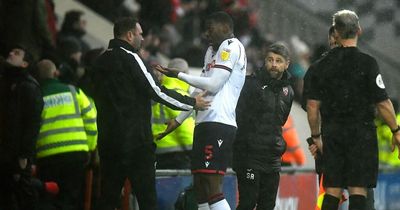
(207, 171)
(222, 67)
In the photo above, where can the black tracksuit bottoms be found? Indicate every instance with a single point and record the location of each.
(139, 169)
(257, 189)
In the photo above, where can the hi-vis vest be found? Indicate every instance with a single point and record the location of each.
(180, 139)
(386, 156)
(68, 122)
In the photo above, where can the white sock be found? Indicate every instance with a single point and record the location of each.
(220, 205)
(203, 206)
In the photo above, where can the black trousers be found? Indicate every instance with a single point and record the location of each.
(18, 194)
(68, 171)
(257, 189)
(139, 168)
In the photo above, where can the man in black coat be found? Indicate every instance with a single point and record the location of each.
(22, 105)
(344, 89)
(123, 90)
(262, 110)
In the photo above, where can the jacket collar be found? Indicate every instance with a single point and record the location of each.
(265, 78)
(49, 81)
(117, 43)
(13, 71)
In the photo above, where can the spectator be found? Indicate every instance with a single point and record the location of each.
(111, 9)
(294, 154)
(299, 64)
(332, 43)
(22, 104)
(151, 49)
(343, 97)
(51, 20)
(155, 13)
(173, 151)
(69, 60)
(263, 108)
(68, 135)
(123, 89)
(24, 22)
(74, 25)
(85, 81)
(387, 158)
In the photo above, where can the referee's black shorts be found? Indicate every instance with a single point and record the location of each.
(212, 147)
(350, 155)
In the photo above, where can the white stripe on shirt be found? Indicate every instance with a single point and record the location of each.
(157, 89)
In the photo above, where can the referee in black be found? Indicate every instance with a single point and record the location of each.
(341, 99)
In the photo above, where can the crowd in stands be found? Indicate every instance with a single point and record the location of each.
(171, 29)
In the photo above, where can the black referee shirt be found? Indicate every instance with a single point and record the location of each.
(348, 84)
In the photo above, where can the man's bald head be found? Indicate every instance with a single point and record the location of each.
(179, 64)
(47, 69)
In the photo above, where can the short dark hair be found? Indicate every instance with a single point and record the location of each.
(70, 18)
(280, 49)
(123, 25)
(346, 23)
(28, 56)
(222, 18)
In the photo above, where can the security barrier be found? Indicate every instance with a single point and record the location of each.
(297, 190)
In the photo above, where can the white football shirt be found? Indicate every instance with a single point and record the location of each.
(231, 56)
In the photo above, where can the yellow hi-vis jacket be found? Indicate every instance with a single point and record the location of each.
(386, 156)
(68, 121)
(180, 139)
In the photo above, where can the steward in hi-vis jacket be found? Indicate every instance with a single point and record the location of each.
(67, 136)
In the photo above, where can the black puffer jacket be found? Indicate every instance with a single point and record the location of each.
(262, 110)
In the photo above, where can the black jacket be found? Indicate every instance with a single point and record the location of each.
(262, 110)
(123, 90)
(22, 105)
